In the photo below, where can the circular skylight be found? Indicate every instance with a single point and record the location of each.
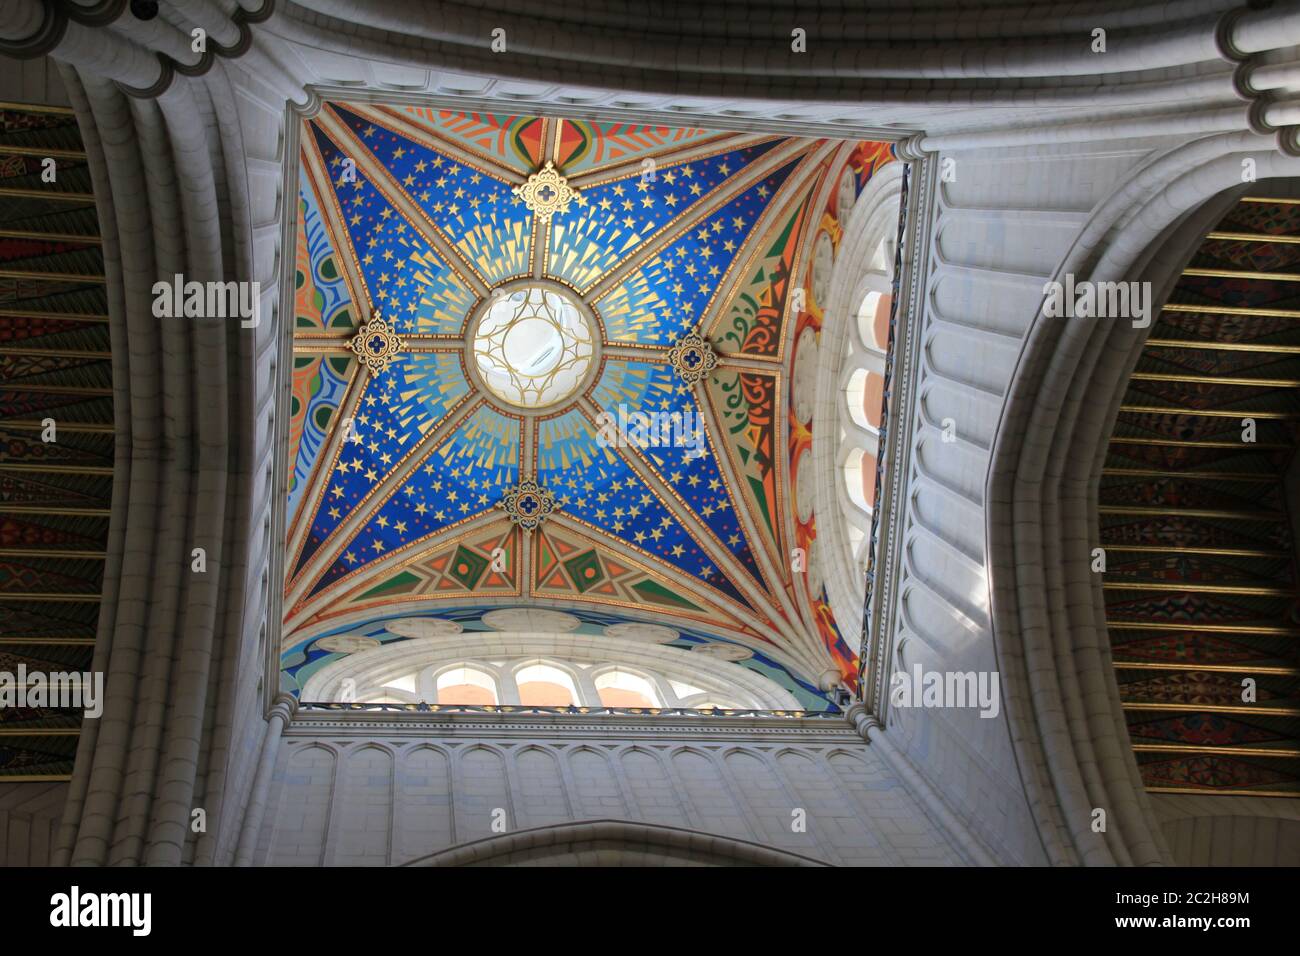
(533, 345)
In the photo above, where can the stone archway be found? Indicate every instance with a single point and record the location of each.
(1063, 706)
(612, 843)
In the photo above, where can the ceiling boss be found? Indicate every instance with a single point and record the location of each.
(375, 343)
(546, 193)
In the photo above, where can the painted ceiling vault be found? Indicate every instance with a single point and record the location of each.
(1198, 519)
(543, 361)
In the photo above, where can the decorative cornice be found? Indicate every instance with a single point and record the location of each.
(913, 276)
(309, 721)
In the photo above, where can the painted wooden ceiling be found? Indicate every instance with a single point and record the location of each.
(55, 487)
(399, 477)
(1200, 582)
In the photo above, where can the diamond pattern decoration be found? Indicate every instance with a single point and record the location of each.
(546, 193)
(528, 504)
(692, 357)
(376, 344)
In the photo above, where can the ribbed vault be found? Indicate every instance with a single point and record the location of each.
(485, 242)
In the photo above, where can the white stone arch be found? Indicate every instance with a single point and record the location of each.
(613, 843)
(865, 263)
(1049, 623)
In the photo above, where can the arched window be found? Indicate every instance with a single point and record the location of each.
(488, 668)
(541, 685)
(862, 386)
(851, 379)
(466, 685)
(620, 688)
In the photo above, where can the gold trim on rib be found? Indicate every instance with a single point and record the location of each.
(1251, 237)
(48, 641)
(1215, 792)
(1192, 512)
(38, 388)
(1280, 670)
(70, 316)
(57, 353)
(51, 553)
(1171, 443)
(1216, 380)
(36, 108)
(1226, 346)
(51, 276)
(57, 469)
(1254, 709)
(48, 236)
(1213, 749)
(1244, 589)
(1221, 552)
(1243, 274)
(1201, 475)
(15, 193)
(1270, 630)
(100, 428)
(1231, 310)
(1207, 412)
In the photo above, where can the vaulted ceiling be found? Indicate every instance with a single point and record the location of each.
(479, 296)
